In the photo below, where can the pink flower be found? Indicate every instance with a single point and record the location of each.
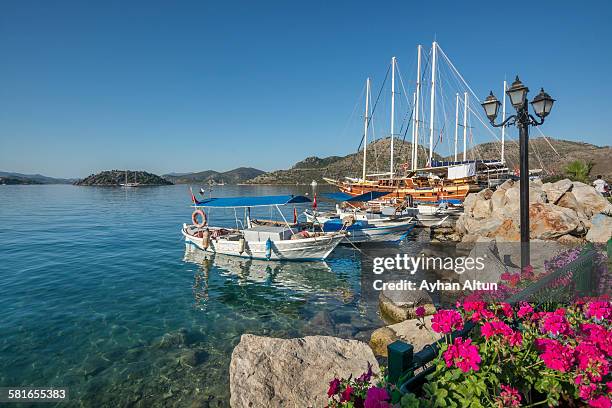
(463, 355)
(527, 273)
(494, 328)
(509, 396)
(555, 323)
(346, 394)
(524, 310)
(599, 336)
(591, 361)
(556, 356)
(601, 402)
(420, 311)
(507, 310)
(445, 321)
(515, 339)
(479, 310)
(334, 387)
(599, 310)
(377, 397)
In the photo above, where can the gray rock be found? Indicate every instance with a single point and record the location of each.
(591, 201)
(192, 358)
(601, 231)
(547, 221)
(482, 209)
(498, 200)
(397, 306)
(270, 372)
(408, 331)
(554, 191)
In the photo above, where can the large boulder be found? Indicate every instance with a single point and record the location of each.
(498, 200)
(601, 230)
(482, 209)
(591, 201)
(408, 331)
(554, 191)
(547, 221)
(270, 372)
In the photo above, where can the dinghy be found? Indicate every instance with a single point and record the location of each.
(269, 242)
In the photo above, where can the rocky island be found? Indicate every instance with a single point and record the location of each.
(112, 178)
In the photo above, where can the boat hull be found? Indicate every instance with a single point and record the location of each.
(305, 249)
(375, 231)
(402, 188)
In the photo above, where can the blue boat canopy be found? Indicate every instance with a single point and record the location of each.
(369, 196)
(257, 201)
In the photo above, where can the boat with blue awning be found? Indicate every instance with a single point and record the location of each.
(280, 241)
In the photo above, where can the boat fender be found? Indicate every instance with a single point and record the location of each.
(205, 238)
(268, 248)
(194, 218)
(241, 245)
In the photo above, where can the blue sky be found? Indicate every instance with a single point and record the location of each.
(188, 86)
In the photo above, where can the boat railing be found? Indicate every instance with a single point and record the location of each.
(408, 369)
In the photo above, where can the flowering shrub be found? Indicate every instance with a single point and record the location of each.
(359, 392)
(522, 357)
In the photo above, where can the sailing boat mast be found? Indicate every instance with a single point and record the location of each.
(392, 112)
(503, 128)
(456, 122)
(415, 133)
(465, 126)
(432, 101)
(365, 127)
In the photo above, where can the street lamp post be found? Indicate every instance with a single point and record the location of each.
(542, 105)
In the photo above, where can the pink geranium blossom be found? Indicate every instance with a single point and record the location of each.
(599, 310)
(509, 396)
(556, 356)
(463, 355)
(524, 310)
(555, 323)
(601, 402)
(420, 311)
(445, 321)
(494, 328)
(478, 311)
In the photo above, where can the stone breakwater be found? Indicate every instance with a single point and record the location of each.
(567, 211)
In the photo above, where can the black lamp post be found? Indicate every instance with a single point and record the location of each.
(542, 105)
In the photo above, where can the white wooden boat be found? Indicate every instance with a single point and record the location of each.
(362, 226)
(269, 242)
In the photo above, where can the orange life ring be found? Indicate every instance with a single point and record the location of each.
(194, 218)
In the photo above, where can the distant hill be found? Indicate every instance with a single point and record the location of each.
(116, 177)
(20, 178)
(542, 155)
(315, 168)
(236, 176)
(17, 181)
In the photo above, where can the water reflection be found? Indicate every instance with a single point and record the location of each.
(270, 280)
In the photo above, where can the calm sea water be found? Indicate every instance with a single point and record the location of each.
(97, 295)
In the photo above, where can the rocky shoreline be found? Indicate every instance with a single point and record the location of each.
(286, 372)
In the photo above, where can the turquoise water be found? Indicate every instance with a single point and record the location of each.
(97, 295)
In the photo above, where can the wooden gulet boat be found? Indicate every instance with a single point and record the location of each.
(269, 242)
(434, 181)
